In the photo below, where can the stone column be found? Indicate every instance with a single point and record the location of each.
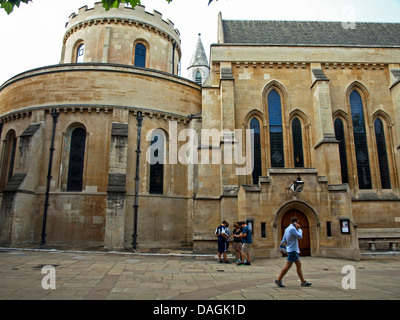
(327, 147)
(116, 191)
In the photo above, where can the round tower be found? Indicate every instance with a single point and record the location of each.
(122, 36)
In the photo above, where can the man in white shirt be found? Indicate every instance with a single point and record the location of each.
(290, 238)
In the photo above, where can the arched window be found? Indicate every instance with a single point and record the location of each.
(140, 55)
(360, 141)
(9, 150)
(198, 78)
(256, 152)
(76, 160)
(297, 144)
(157, 157)
(339, 135)
(80, 53)
(275, 129)
(382, 154)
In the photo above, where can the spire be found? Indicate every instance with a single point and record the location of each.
(199, 57)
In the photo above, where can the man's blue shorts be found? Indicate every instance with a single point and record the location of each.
(222, 246)
(293, 256)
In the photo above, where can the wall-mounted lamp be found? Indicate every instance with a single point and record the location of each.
(297, 186)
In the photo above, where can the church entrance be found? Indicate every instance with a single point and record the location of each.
(304, 243)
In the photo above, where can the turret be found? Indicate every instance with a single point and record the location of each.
(199, 69)
(122, 36)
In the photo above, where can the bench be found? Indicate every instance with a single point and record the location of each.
(392, 244)
(373, 236)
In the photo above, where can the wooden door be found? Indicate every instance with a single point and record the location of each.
(304, 243)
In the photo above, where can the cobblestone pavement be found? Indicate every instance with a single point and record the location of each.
(82, 275)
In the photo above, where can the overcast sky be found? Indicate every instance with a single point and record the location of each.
(32, 35)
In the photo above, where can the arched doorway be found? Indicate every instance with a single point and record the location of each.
(304, 243)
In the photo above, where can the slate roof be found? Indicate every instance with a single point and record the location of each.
(199, 57)
(310, 33)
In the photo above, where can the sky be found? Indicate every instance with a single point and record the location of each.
(32, 35)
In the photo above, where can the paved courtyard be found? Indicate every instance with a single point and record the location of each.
(79, 275)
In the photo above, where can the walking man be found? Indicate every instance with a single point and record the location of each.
(290, 238)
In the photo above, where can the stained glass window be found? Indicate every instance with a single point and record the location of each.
(257, 170)
(360, 141)
(275, 129)
(297, 144)
(76, 160)
(382, 154)
(339, 135)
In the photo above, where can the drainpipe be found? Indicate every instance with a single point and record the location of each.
(139, 118)
(173, 58)
(54, 114)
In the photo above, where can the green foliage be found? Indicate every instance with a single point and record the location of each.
(8, 5)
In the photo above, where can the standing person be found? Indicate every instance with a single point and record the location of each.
(228, 235)
(237, 242)
(246, 243)
(290, 237)
(220, 233)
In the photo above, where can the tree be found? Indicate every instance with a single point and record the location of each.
(8, 5)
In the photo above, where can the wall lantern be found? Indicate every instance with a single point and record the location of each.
(297, 186)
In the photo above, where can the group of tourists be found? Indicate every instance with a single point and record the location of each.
(242, 241)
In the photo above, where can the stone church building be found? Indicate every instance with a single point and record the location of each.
(111, 148)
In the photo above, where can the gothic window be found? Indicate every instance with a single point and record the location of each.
(140, 55)
(360, 141)
(339, 135)
(7, 168)
(256, 152)
(157, 154)
(80, 53)
(382, 154)
(76, 160)
(275, 129)
(297, 143)
(198, 78)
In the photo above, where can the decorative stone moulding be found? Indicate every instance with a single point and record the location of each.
(264, 64)
(95, 110)
(365, 66)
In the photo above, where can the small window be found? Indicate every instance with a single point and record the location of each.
(140, 55)
(263, 230)
(80, 53)
(9, 151)
(198, 78)
(328, 229)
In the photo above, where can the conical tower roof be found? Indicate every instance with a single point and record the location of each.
(199, 57)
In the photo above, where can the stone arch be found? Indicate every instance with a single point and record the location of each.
(313, 222)
(146, 44)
